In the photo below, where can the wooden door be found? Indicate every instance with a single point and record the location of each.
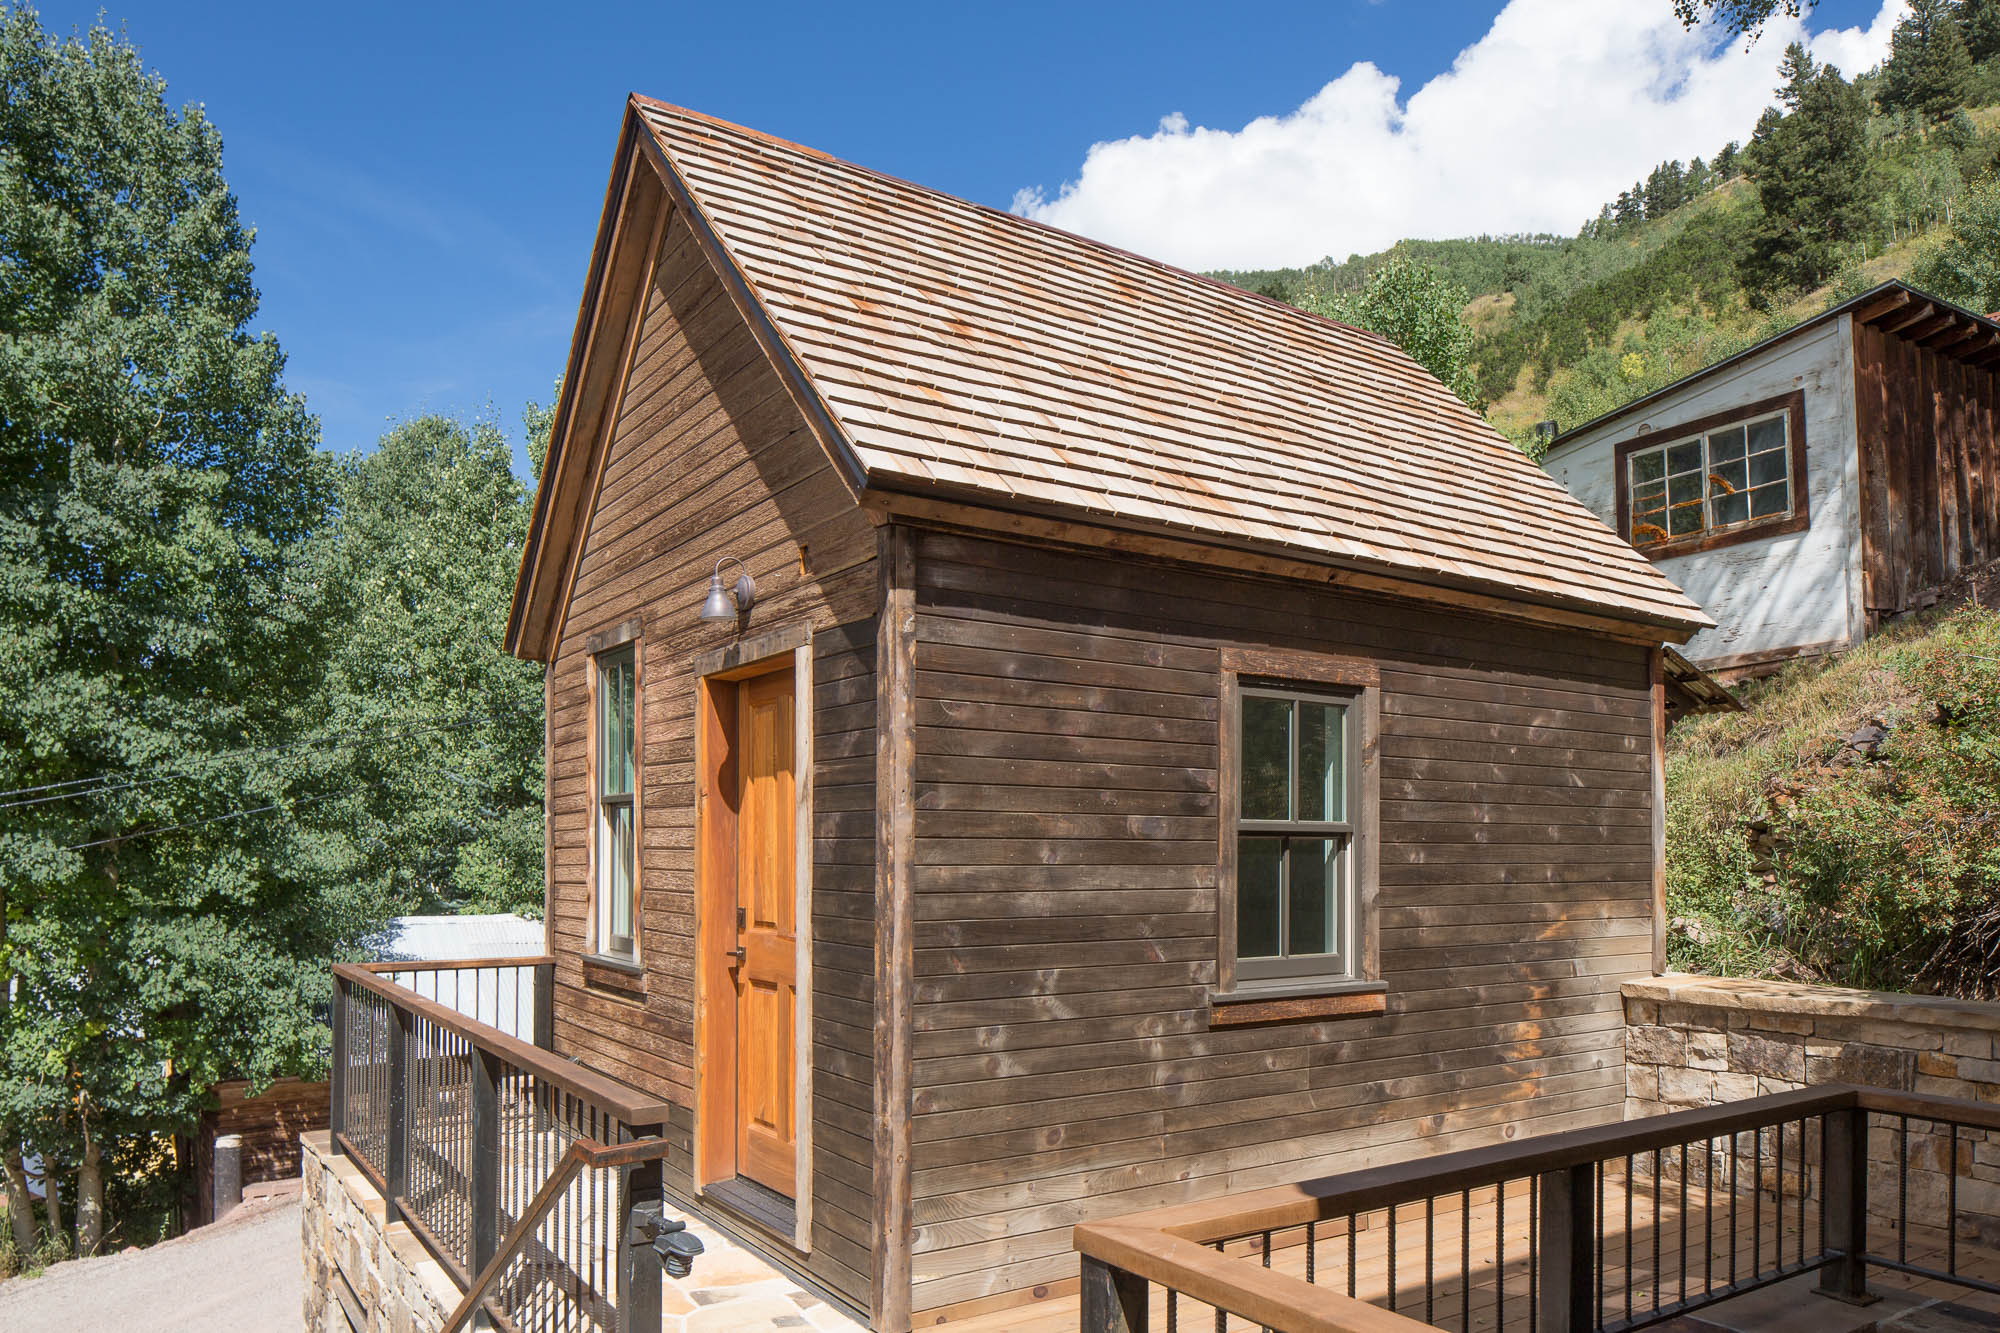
(767, 932)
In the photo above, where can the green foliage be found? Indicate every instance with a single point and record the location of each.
(1411, 305)
(1813, 176)
(1737, 17)
(1791, 852)
(449, 815)
(159, 622)
(1966, 267)
(1929, 70)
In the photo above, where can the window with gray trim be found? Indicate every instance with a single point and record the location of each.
(1297, 759)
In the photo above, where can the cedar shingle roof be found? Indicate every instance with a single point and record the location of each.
(964, 350)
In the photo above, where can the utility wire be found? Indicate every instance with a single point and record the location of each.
(216, 819)
(106, 783)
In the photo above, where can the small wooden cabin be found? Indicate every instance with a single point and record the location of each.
(1811, 486)
(1172, 745)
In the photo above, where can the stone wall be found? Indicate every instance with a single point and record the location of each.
(359, 1274)
(1700, 1041)
(1704, 1041)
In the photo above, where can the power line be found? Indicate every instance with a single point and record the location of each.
(104, 784)
(216, 819)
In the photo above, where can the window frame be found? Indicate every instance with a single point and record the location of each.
(617, 950)
(1287, 966)
(1795, 518)
(1355, 684)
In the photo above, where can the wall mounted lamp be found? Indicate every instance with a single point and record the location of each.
(726, 603)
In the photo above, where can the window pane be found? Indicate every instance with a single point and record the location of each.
(1649, 466)
(1322, 766)
(1767, 435)
(1766, 501)
(1315, 920)
(615, 729)
(1267, 758)
(1684, 489)
(1731, 508)
(1725, 445)
(1259, 864)
(1768, 467)
(1684, 519)
(618, 876)
(1685, 457)
(1728, 478)
(1651, 530)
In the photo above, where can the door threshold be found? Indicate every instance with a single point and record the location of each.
(760, 1205)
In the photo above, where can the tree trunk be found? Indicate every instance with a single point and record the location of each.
(90, 1196)
(52, 1199)
(20, 1208)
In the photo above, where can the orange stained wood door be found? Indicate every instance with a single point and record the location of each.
(766, 980)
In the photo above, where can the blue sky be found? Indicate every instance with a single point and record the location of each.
(425, 180)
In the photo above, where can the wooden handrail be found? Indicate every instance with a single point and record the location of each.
(625, 1103)
(581, 1153)
(452, 964)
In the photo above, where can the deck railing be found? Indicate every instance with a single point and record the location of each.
(1607, 1229)
(522, 1173)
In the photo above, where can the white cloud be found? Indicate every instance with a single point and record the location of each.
(1561, 105)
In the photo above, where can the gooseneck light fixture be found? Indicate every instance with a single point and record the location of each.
(726, 603)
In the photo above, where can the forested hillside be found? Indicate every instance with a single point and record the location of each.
(1843, 183)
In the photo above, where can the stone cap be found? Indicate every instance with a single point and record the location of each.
(1755, 995)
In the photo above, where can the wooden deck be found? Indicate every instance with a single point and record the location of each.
(1708, 1230)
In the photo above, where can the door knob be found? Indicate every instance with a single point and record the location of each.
(739, 954)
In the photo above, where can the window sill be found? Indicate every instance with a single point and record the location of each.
(1297, 1001)
(1777, 526)
(622, 977)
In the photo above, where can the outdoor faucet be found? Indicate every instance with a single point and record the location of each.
(668, 1236)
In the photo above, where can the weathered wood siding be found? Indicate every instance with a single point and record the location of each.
(1067, 848)
(709, 457)
(1928, 430)
(1800, 590)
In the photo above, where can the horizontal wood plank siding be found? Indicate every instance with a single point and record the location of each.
(708, 458)
(1066, 879)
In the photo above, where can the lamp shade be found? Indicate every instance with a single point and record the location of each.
(717, 605)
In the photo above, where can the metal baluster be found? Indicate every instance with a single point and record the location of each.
(1630, 1184)
(1353, 1219)
(1535, 1257)
(1684, 1223)
(1802, 1192)
(1310, 1229)
(1708, 1217)
(1597, 1221)
(1392, 1258)
(1903, 1189)
(1221, 1319)
(1500, 1255)
(1951, 1207)
(1465, 1260)
(1430, 1258)
(1658, 1267)
(1756, 1203)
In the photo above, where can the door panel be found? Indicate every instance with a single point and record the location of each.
(767, 933)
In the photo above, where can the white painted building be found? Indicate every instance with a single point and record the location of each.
(1802, 490)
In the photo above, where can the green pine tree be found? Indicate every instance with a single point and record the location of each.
(1813, 177)
(1979, 24)
(1929, 70)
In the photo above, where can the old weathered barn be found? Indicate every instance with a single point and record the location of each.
(1172, 744)
(1839, 473)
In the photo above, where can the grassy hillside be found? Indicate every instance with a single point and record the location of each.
(1846, 828)
(1571, 327)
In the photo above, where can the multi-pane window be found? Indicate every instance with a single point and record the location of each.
(1718, 480)
(1294, 838)
(616, 737)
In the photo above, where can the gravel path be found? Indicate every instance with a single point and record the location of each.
(242, 1274)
